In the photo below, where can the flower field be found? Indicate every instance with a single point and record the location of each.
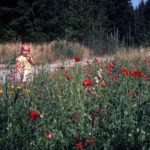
(101, 106)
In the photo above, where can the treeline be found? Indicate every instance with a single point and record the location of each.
(79, 20)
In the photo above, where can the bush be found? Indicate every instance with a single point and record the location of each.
(65, 49)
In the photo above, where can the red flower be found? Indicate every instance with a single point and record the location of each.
(65, 72)
(77, 59)
(87, 82)
(50, 136)
(33, 114)
(132, 73)
(116, 78)
(94, 121)
(91, 142)
(125, 71)
(69, 77)
(75, 120)
(110, 71)
(104, 85)
(91, 90)
(97, 112)
(80, 144)
(112, 64)
(94, 114)
(145, 77)
(136, 74)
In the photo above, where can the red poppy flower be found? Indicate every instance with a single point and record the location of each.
(104, 85)
(145, 77)
(136, 74)
(87, 82)
(69, 77)
(33, 114)
(109, 70)
(139, 74)
(125, 71)
(91, 142)
(96, 113)
(91, 90)
(75, 120)
(77, 59)
(132, 73)
(112, 64)
(80, 144)
(65, 72)
(94, 121)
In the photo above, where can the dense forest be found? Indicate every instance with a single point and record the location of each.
(78, 20)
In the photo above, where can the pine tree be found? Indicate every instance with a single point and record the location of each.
(147, 22)
(6, 13)
(120, 15)
(77, 18)
(27, 20)
(82, 20)
(139, 29)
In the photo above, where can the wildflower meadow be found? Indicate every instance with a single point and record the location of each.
(101, 106)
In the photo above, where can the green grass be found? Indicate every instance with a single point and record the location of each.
(112, 117)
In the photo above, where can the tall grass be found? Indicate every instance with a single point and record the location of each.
(44, 52)
(61, 50)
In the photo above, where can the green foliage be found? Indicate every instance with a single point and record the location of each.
(65, 49)
(147, 22)
(8, 34)
(119, 111)
(100, 43)
(46, 20)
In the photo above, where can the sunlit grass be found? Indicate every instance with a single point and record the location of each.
(43, 53)
(60, 50)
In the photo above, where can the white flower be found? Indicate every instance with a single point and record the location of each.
(97, 80)
(42, 115)
(99, 73)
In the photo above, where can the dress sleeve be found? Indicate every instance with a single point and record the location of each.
(19, 64)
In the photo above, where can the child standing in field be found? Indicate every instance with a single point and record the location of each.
(24, 63)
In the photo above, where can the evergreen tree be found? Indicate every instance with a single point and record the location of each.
(6, 13)
(28, 21)
(82, 20)
(147, 22)
(77, 18)
(120, 16)
(139, 29)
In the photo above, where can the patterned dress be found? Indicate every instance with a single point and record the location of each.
(24, 67)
